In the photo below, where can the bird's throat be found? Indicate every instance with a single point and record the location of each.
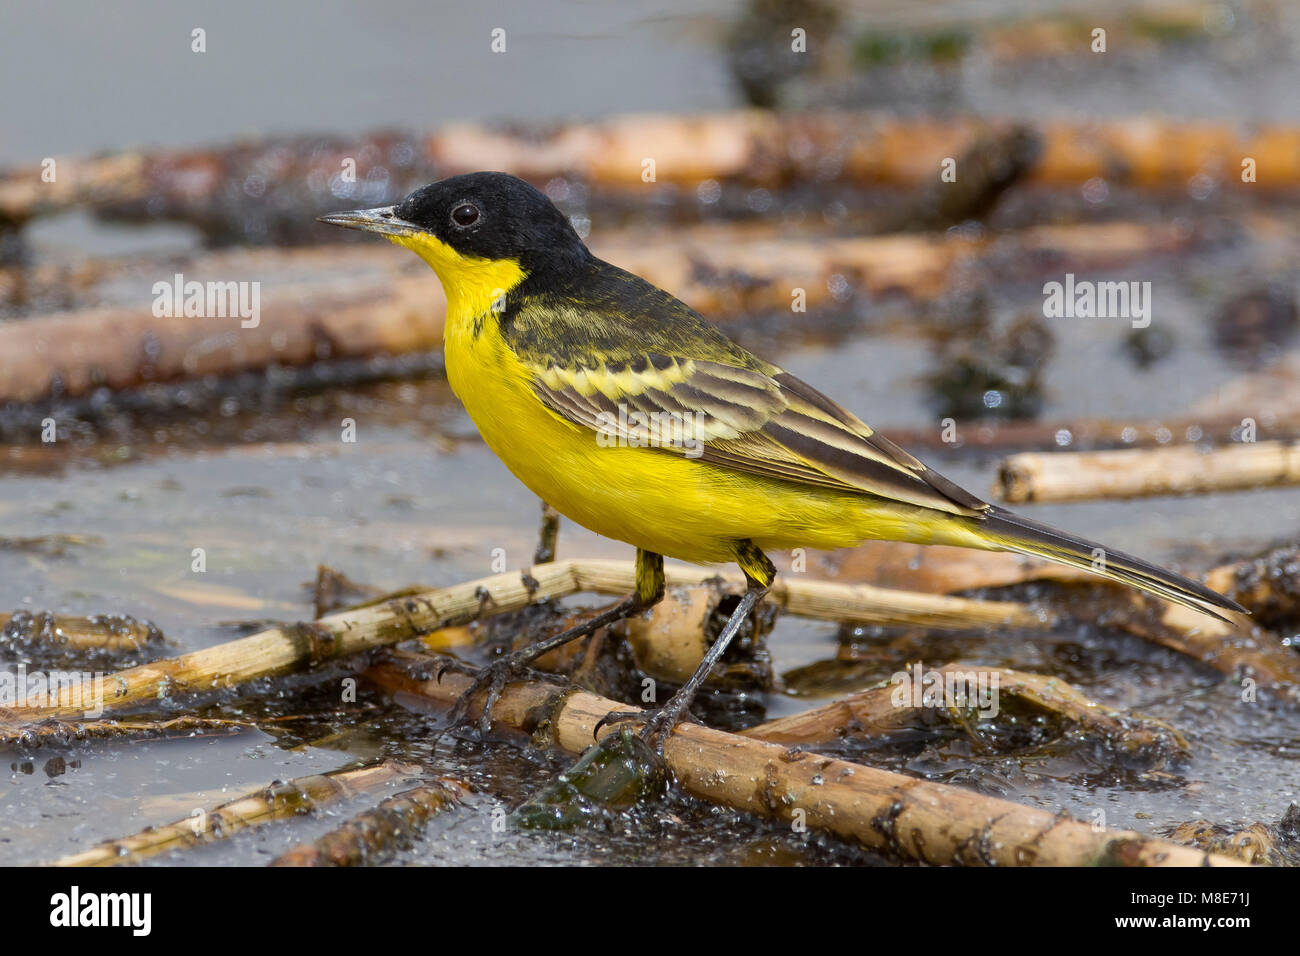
(474, 287)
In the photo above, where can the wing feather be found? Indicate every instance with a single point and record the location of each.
(771, 425)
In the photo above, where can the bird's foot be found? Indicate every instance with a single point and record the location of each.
(488, 684)
(656, 725)
(492, 679)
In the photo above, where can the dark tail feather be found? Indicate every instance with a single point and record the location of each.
(1013, 533)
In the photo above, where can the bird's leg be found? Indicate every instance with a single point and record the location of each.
(661, 723)
(493, 678)
(547, 535)
(759, 575)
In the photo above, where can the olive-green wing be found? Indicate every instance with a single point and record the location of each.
(613, 353)
(752, 420)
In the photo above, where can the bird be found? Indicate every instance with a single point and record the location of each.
(630, 414)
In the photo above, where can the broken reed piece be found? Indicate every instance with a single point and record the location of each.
(1141, 473)
(877, 712)
(1267, 844)
(397, 820)
(275, 802)
(1238, 651)
(281, 650)
(122, 347)
(111, 633)
(1268, 584)
(669, 643)
(914, 819)
(60, 733)
(50, 545)
(333, 591)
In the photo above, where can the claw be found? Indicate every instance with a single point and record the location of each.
(617, 717)
(492, 679)
(657, 725)
(495, 687)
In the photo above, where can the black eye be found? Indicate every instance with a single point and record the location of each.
(466, 214)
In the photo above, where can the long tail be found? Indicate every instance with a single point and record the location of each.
(1010, 532)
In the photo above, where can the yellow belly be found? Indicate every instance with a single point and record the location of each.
(656, 499)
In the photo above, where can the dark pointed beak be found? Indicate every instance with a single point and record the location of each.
(383, 220)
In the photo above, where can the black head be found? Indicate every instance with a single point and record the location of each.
(482, 215)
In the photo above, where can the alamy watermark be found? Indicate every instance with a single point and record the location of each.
(208, 300)
(82, 690)
(637, 429)
(952, 687)
(133, 911)
(1098, 300)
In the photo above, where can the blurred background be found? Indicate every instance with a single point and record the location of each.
(795, 194)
